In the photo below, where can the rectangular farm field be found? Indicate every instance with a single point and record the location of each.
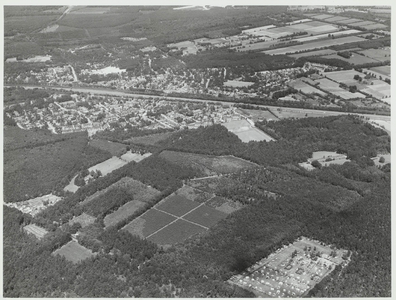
(175, 233)
(177, 205)
(224, 205)
(205, 216)
(74, 252)
(149, 222)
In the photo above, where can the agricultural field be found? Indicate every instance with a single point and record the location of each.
(246, 131)
(176, 232)
(314, 45)
(260, 115)
(205, 216)
(363, 23)
(84, 219)
(151, 139)
(344, 76)
(374, 26)
(378, 89)
(20, 24)
(123, 212)
(37, 231)
(355, 59)
(336, 19)
(382, 55)
(349, 21)
(293, 270)
(322, 17)
(208, 165)
(148, 223)
(74, 252)
(178, 216)
(300, 85)
(116, 149)
(383, 70)
(284, 113)
(176, 205)
(35, 205)
(333, 88)
(89, 20)
(314, 53)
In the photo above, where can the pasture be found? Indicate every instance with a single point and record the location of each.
(116, 149)
(322, 17)
(379, 89)
(374, 26)
(292, 270)
(176, 232)
(123, 212)
(382, 55)
(383, 70)
(333, 88)
(349, 21)
(74, 252)
(344, 76)
(314, 45)
(336, 19)
(300, 85)
(37, 231)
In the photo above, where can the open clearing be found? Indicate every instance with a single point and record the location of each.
(207, 164)
(379, 89)
(235, 83)
(292, 270)
(74, 252)
(108, 165)
(175, 233)
(384, 70)
(246, 131)
(344, 76)
(325, 158)
(37, 231)
(382, 55)
(123, 212)
(136, 157)
(387, 158)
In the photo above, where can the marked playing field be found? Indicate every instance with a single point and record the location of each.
(205, 215)
(175, 233)
(177, 205)
(73, 252)
(37, 231)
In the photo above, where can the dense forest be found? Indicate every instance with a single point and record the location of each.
(344, 205)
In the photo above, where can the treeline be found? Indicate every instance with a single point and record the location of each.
(153, 171)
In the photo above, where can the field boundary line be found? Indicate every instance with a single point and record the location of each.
(177, 218)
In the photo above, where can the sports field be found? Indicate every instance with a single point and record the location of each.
(74, 252)
(205, 216)
(177, 205)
